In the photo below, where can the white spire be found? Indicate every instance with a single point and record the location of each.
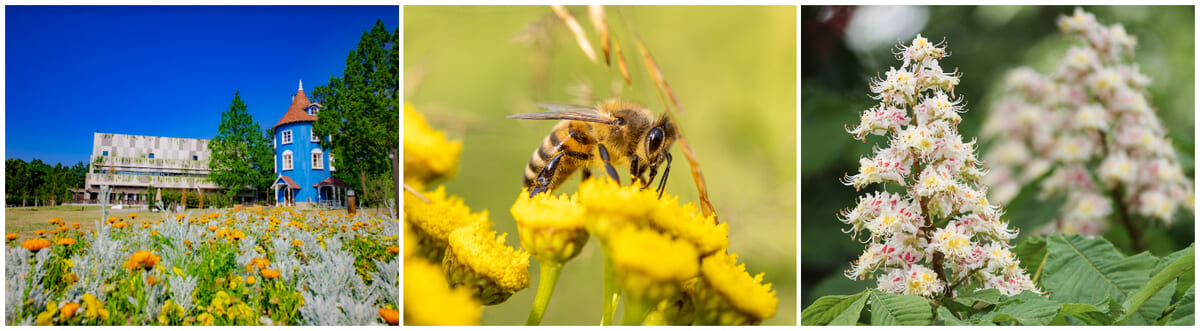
(301, 84)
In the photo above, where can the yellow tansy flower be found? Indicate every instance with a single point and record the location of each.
(651, 265)
(479, 261)
(428, 155)
(687, 223)
(727, 295)
(429, 300)
(552, 228)
(433, 222)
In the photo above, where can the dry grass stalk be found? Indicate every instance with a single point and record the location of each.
(601, 24)
(577, 30)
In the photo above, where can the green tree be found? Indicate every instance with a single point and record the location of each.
(241, 155)
(17, 180)
(361, 110)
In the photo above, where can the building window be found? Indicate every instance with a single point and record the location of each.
(287, 160)
(315, 137)
(104, 153)
(318, 163)
(311, 110)
(275, 163)
(287, 137)
(331, 162)
(151, 155)
(195, 158)
(273, 143)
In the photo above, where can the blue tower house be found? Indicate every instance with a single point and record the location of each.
(303, 171)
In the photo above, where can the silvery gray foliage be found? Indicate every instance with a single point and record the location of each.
(35, 274)
(387, 279)
(105, 258)
(333, 283)
(16, 276)
(154, 298)
(181, 290)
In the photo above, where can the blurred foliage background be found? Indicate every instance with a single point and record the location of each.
(843, 47)
(733, 69)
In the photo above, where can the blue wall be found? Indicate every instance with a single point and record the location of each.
(302, 171)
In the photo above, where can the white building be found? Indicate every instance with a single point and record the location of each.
(129, 164)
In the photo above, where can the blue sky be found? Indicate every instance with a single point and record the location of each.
(162, 70)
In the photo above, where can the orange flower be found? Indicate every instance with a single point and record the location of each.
(39, 232)
(144, 225)
(297, 242)
(249, 280)
(151, 280)
(112, 219)
(68, 310)
(55, 220)
(141, 259)
(76, 224)
(35, 244)
(71, 278)
(270, 274)
(132, 216)
(63, 228)
(238, 234)
(154, 233)
(393, 249)
(392, 316)
(119, 225)
(66, 241)
(11, 236)
(212, 228)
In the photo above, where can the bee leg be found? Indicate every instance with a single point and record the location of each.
(662, 184)
(612, 172)
(542, 183)
(653, 172)
(633, 174)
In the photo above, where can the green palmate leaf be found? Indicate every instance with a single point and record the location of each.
(1185, 312)
(834, 310)
(896, 309)
(1079, 269)
(1085, 314)
(1157, 292)
(1032, 254)
(1027, 308)
(1187, 279)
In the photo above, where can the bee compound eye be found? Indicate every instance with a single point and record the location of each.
(654, 140)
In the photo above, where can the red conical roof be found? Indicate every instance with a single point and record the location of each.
(296, 112)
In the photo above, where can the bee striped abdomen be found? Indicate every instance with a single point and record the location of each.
(571, 138)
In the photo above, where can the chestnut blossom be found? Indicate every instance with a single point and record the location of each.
(1092, 116)
(937, 175)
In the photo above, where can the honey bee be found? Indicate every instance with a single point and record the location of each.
(620, 133)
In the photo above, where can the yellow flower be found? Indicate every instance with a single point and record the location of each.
(132, 216)
(687, 223)
(55, 220)
(95, 309)
(76, 224)
(69, 309)
(552, 228)
(141, 259)
(433, 222)
(269, 274)
(35, 244)
(297, 242)
(66, 241)
(601, 195)
(11, 236)
(478, 260)
(428, 155)
(47, 317)
(429, 300)
(39, 232)
(112, 219)
(727, 295)
(649, 264)
(119, 225)
(392, 316)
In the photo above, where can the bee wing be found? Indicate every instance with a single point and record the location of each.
(567, 112)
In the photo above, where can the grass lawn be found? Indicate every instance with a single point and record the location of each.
(25, 221)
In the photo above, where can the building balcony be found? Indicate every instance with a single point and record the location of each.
(192, 166)
(185, 182)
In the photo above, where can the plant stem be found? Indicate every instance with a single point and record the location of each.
(635, 310)
(1135, 233)
(546, 282)
(611, 293)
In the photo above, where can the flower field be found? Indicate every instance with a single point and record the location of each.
(234, 267)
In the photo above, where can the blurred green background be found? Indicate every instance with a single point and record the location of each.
(842, 47)
(733, 69)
